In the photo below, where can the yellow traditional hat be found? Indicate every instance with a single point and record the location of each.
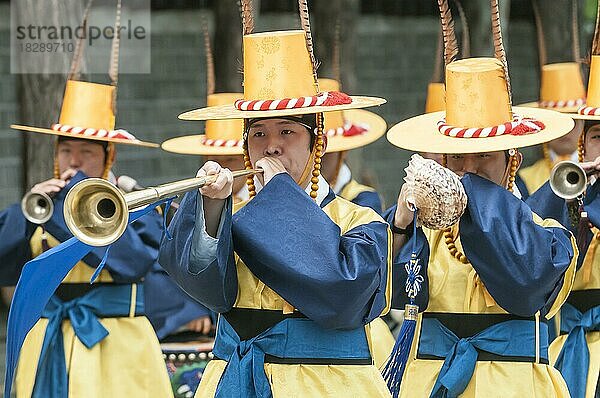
(479, 116)
(561, 85)
(561, 88)
(87, 112)
(350, 129)
(88, 109)
(221, 137)
(280, 80)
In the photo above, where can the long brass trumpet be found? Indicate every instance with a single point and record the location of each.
(568, 180)
(37, 207)
(97, 212)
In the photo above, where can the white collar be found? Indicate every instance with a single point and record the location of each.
(344, 176)
(322, 192)
(554, 156)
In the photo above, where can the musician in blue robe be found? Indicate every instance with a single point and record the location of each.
(295, 273)
(92, 338)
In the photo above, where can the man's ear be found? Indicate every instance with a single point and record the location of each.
(324, 143)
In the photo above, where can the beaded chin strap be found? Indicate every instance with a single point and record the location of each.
(449, 238)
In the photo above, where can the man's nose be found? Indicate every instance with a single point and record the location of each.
(469, 166)
(75, 161)
(273, 148)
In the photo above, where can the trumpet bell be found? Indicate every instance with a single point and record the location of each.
(568, 180)
(96, 212)
(37, 207)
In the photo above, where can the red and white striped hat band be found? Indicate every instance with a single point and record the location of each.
(348, 130)
(562, 103)
(589, 111)
(325, 98)
(90, 132)
(221, 143)
(518, 126)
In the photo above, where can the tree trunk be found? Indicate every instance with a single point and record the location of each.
(39, 92)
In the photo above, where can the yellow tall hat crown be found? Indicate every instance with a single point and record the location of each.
(88, 105)
(436, 97)
(476, 93)
(230, 129)
(277, 65)
(561, 82)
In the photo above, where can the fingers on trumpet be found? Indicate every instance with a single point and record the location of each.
(220, 182)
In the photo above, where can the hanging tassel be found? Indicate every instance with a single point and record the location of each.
(394, 369)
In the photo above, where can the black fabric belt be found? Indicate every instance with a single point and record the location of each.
(317, 361)
(250, 322)
(467, 325)
(584, 300)
(71, 291)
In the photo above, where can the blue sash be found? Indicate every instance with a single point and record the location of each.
(509, 338)
(244, 375)
(574, 359)
(83, 312)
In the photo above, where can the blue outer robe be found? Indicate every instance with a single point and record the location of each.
(113, 357)
(281, 253)
(520, 271)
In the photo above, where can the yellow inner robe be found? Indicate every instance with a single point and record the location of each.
(382, 340)
(536, 175)
(588, 277)
(288, 381)
(127, 363)
(353, 188)
(456, 288)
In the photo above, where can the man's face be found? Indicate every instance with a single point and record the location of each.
(489, 165)
(232, 162)
(86, 156)
(592, 143)
(283, 139)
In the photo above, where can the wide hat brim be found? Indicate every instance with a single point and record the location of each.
(376, 129)
(221, 112)
(536, 104)
(84, 137)
(421, 134)
(192, 145)
(571, 111)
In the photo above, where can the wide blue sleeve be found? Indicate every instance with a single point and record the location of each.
(203, 266)
(521, 263)
(369, 199)
(15, 250)
(546, 204)
(290, 244)
(417, 242)
(167, 306)
(131, 256)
